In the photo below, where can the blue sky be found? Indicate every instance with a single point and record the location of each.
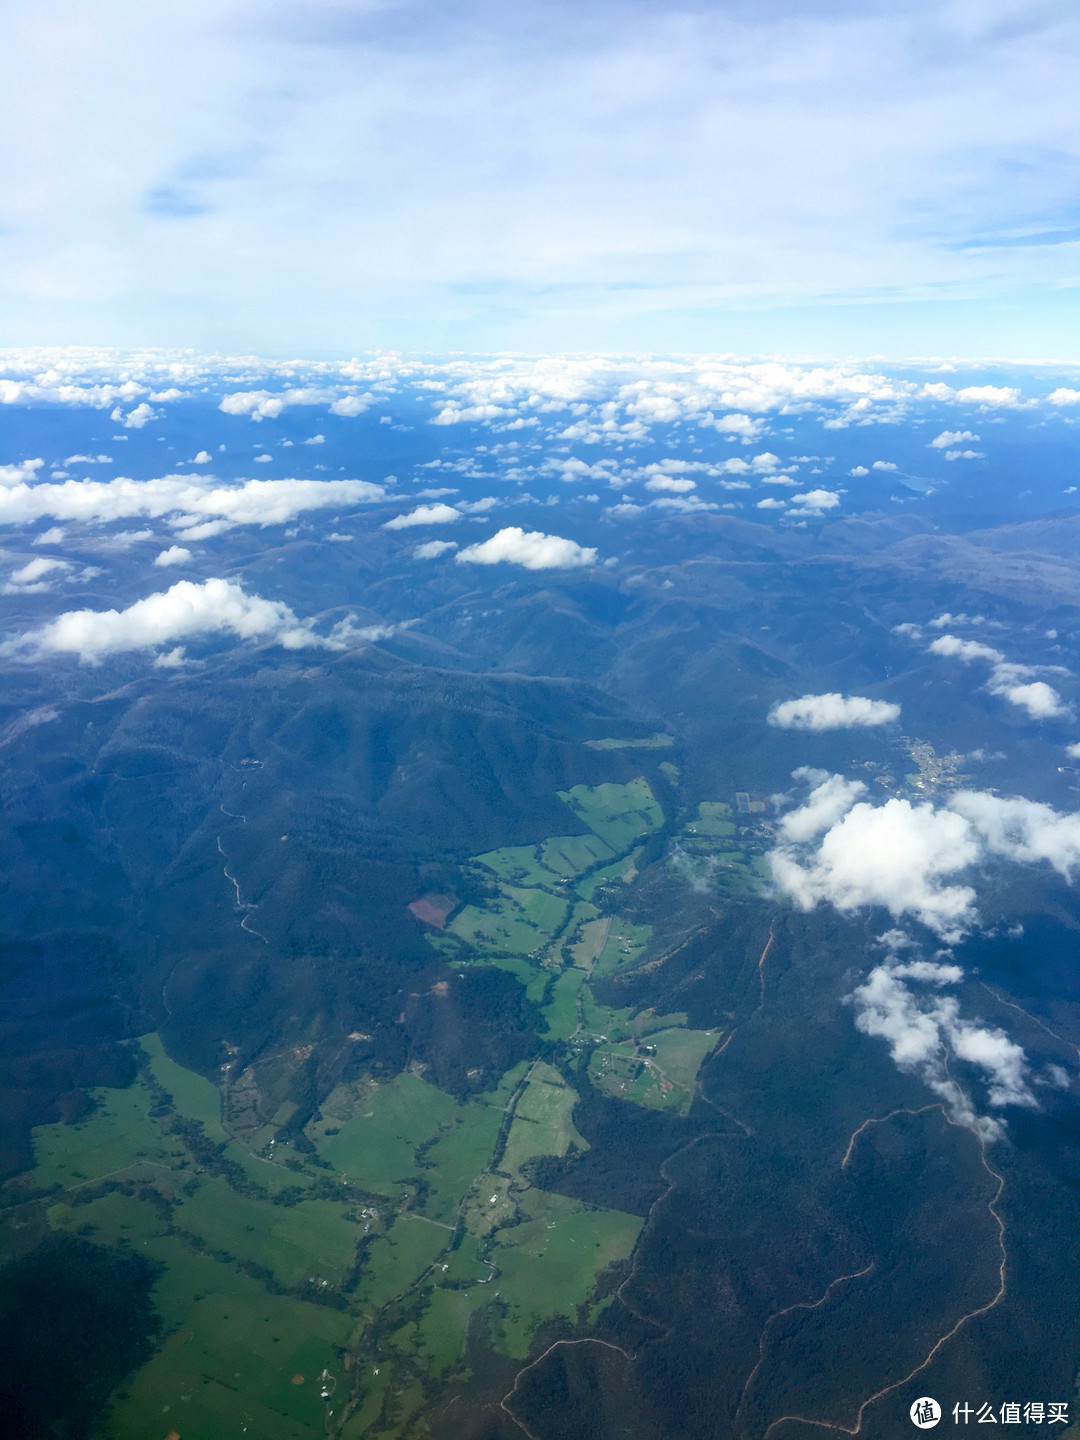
(784, 176)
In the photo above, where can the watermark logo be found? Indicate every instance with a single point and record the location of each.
(925, 1413)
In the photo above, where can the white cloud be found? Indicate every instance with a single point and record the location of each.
(352, 405)
(770, 503)
(1073, 751)
(437, 514)
(947, 618)
(1041, 701)
(831, 798)
(964, 455)
(1022, 830)
(832, 712)
(948, 438)
(530, 548)
(895, 855)
(189, 500)
(29, 579)
(52, 536)
(883, 465)
(339, 536)
(735, 424)
(88, 460)
(184, 612)
(174, 555)
(1011, 682)
(965, 650)
(22, 474)
(923, 1028)
(859, 470)
(432, 549)
(1064, 396)
(316, 440)
(904, 856)
(202, 458)
(268, 405)
(990, 396)
(816, 502)
(137, 418)
(678, 484)
(263, 459)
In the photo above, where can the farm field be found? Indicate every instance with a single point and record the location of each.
(414, 1211)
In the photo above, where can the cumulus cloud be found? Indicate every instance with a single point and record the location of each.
(883, 465)
(903, 1004)
(202, 458)
(677, 484)
(831, 798)
(438, 514)
(174, 555)
(1011, 682)
(268, 405)
(53, 536)
(859, 470)
(432, 549)
(1041, 701)
(905, 857)
(1064, 396)
(29, 579)
(530, 548)
(1022, 830)
(185, 612)
(965, 650)
(895, 855)
(188, 501)
(137, 418)
(21, 474)
(816, 502)
(770, 503)
(948, 438)
(832, 711)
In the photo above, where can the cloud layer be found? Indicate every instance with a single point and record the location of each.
(198, 506)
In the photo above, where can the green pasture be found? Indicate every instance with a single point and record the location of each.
(660, 1071)
(375, 1148)
(650, 742)
(519, 920)
(116, 1135)
(712, 820)
(516, 864)
(543, 1123)
(230, 1357)
(569, 855)
(602, 1019)
(624, 869)
(310, 1240)
(590, 940)
(459, 1155)
(396, 1260)
(624, 946)
(617, 813)
(560, 1013)
(548, 1265)
(192, 1094)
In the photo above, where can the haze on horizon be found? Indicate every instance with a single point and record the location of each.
(811, 177)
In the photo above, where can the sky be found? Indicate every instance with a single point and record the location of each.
(806, 177)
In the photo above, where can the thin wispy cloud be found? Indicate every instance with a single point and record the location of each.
(613, 168)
